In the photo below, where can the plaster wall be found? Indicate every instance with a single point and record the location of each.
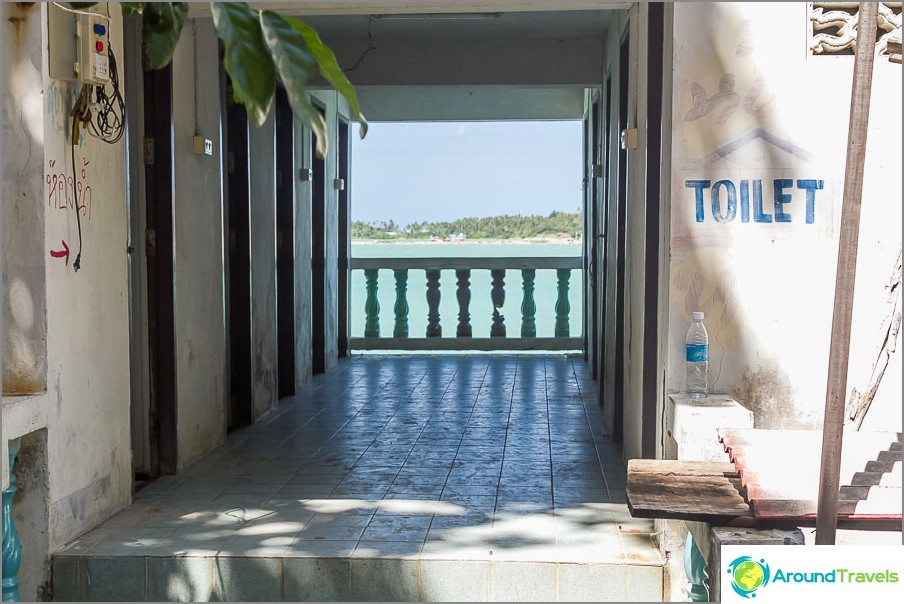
(198, 242)
(752, 104)
(330, 103)
(85, 409)
(304, 359)
(264, 345)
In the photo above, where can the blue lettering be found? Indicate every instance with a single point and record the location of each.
(745, 201)
(698, 186)
(731, 203)
(758, 215)
(811, 186)
(781, 198)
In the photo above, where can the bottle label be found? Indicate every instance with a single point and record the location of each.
(697, 353)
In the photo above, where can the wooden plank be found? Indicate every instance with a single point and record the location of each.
(839, 347)
(511, 263)
(697, 491)
(483, 344)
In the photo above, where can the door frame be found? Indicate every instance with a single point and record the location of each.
(318, 255)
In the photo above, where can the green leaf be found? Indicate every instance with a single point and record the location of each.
(132, 7)
(247, 59)
(329, 67)
(295, 66)
(161, 27)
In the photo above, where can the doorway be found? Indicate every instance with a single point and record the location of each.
(238, 237)
(285, 244)
(345, 250)
(158, 160)
(622, 224)
(318, 259)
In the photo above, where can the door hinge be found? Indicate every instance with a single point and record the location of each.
(148, 152)
(150, 242)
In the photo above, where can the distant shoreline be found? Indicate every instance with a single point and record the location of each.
(528, 241)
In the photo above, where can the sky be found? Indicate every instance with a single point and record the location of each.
(435, 171)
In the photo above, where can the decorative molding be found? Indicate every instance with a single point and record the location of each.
(840, 19)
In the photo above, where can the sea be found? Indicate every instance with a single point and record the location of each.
(481, 306)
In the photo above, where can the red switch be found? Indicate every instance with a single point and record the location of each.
(99, 46)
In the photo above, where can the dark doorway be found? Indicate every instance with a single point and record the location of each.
(318, 259)
(619, 377)
(601, 260)
(651, 220)
(238, 237)
(344, 235)
(285, 244)
(158, 122)
(591, 339)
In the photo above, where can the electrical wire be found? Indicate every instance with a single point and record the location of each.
(75, 11)
(80, 115)
(370, 45)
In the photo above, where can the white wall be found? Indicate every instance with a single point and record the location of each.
(767, 287)
(198, 242)
(85, 409)
(330, 102)
(262, 170)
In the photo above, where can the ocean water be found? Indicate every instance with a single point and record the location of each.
(481, 306)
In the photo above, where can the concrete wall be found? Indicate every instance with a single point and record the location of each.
(24, 300)
(303, 291)
(330, 103)
(752, 104)
(85, 409)
(262, 154)
(198, 242)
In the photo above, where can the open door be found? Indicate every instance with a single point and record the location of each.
(158, 149)
(238, 237)
(318, 260)
(285, 244)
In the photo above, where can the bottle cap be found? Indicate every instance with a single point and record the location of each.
(697, 316)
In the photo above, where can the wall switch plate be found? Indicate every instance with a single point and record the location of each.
(93, 32)
(202, 146)
(62, 43)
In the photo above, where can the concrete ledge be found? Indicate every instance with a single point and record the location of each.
(691, 424)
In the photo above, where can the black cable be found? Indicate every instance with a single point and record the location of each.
(76, 117)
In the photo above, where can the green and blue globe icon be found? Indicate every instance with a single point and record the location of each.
(748, 575)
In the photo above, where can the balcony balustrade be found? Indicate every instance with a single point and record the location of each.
(499, 336)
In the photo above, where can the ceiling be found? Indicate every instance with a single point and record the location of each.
(470, 26)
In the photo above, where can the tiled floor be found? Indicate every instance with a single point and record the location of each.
(395, 477)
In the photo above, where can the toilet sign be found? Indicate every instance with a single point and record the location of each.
(726, 201)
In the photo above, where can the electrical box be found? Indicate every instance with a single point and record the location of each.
(202, 146)
(78, 46)
(93, 49)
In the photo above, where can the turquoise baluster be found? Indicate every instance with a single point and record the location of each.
(528, 306)
(497, 329)
(464, 300)
(401, 303)
(434, 329)
(696, 571)
(371, 305)
(563, 307)
(12, 548)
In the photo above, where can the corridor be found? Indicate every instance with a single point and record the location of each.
(429, 477)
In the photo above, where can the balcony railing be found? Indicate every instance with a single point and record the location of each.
(433, 337)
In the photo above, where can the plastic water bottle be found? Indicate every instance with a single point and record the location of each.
(696, 347)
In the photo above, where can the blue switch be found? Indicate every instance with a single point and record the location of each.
(100, 29)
